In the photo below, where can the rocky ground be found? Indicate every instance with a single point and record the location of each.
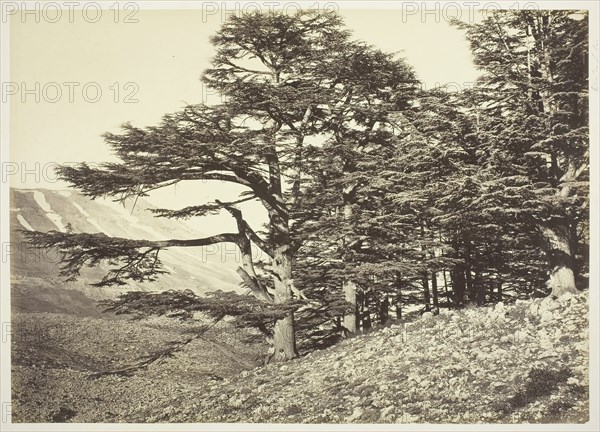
(511, 363)
(55, 357)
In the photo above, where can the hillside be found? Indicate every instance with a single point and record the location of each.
(35, 280)
(511, 363)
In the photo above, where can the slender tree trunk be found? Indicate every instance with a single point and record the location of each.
(365, 312)
(426, 294)
(398, 302)
(469, 275)
(500, 289)
(247, 271)
(458, 278)
(349, 321)
(349, 286)
(458, 284)
(349, 198)
(448, 298)
(424, 280)
(434, 290)
(399, 306)
(478, 288)
(384, 310)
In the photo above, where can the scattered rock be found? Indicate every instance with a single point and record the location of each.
(356, 414)
(387, 412)
(566, 297)
(449, 373)
(533, 309)
(546, 316)
(548, 304)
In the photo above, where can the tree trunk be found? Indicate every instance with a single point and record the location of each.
(384, 310)
(471, 295)
(562, 276)
(399, 306)
(478, 288)
(446, 287)
(458, 283)
(426, 295)
(398, 302)
(365, 315)
(424, 281)
(284, 337)
(434, 290)
(247, 271)
(500, 289)
(349, 321)
(349, 286)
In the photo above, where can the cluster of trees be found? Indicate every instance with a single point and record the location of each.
(378, 194)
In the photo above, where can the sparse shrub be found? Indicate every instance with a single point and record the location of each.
(557, 407)
(540, 383)
(62, 415)
(578, 391)
(293, 410)
(366, 390)
(370, 415)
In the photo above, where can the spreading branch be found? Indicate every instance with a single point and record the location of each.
(135, 259)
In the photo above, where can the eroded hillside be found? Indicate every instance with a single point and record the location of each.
(37, 285)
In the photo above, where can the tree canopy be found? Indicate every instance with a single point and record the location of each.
(379, 195)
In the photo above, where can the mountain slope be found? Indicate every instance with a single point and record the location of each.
(506, 364)
(36, 284)
(519, 363)
(54, 357)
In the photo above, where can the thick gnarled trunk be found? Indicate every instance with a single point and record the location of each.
(284, 338)
(562, 274)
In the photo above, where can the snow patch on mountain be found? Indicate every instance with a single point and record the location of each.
(133, 221)
(91, 220)
(54, 217)
(24, 223)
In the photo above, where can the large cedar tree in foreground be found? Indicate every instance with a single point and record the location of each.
(286, 80)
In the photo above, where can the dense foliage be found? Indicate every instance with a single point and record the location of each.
(379, 196)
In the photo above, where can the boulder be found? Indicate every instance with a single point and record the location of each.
(566, 297)
(427, 316)
(546, 316)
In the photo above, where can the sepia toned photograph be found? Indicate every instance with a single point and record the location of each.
(299, 216)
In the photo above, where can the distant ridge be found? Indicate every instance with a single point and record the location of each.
(35, 282)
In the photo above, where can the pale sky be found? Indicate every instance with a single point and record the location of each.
(161, 57)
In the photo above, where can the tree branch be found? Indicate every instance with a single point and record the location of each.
(245, 229)
(139, 258)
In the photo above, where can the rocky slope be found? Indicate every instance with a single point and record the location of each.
(512, 363)
(55, 359)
